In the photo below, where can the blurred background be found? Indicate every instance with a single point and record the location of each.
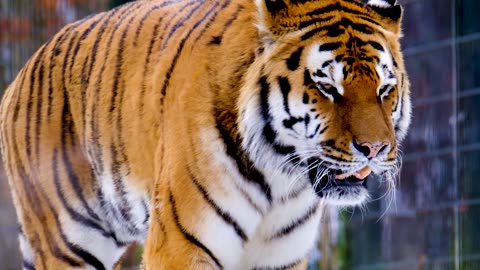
(434, 221)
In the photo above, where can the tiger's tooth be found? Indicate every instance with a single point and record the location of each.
(360, 174)
(363, 173)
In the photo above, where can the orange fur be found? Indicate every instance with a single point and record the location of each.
(142, 101)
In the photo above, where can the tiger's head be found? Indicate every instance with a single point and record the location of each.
(327, 96)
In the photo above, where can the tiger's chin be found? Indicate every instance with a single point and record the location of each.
(346, 190)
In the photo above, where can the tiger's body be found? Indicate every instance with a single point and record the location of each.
(212, 130)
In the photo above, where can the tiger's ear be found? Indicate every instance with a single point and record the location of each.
(390, 13)
(270, 13)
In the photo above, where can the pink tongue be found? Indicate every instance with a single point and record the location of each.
(360, 174)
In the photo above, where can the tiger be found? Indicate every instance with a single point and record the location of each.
(213, 132)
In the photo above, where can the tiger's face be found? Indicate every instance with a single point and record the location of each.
(334, 103)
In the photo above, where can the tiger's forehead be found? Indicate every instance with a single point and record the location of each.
(337, 65)
(333, 55)
(305, 14)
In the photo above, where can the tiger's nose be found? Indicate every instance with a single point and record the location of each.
(370, 150)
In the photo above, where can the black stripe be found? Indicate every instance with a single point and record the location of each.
(268, 132)
(398, 96)
(83, 36)
(154, 38)
(294, 60)
(363, 28)
(118, 90)
(119, 63)
(323, 130)
(91, 222)
(384, 89)
(90, 61)
(74, 180)
(56, 51)
(319, 73)
(290, 122)
(18, 91)
(285, 87)
(32, 196)
(295, 224)
(14, 158)
(270, 136)
(86, 256)
(312, 33)
(168, 75)
(146, 16)
(73, 214)
(307, 81)
(305, 98)
(344, 23)
(38, 115)
(118, 156)
(146, 211)
(124, 205)
(28, 265)
(401, 103)
(331, 91)
(264, 92)
(173, 18)
(216, 40)
(376, 45)
(234, 150)
(330, 46)
(98, 166)
(97, 152)
(30, 99)
(283, 267)
(335, 8)
(327, 63)
(315, 21)
(192, 239)
(339, 159)
(146, 65)
(220, 212)
(100, 33)
(84, 80)
(65, 61)
(335, 31)
(41, 253)
(181, 22)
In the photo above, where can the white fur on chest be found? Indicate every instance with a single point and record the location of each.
(293, 208)
(267, 250)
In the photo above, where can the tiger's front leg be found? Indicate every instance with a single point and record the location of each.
(167, 247)
(173, 241)
(170, 245)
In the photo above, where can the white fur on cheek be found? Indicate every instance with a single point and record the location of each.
(334, 70)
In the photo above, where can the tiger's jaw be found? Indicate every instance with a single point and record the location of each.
(341, 189)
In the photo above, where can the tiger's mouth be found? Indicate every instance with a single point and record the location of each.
(360, 174)
(337, 178)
